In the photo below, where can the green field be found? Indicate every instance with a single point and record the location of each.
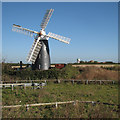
(62, 92)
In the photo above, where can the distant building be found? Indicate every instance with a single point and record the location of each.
(91, 61)
(17, 67)
(52, 66)
(59, 66)
(78, 60)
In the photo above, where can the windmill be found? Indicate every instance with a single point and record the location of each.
(39, 52)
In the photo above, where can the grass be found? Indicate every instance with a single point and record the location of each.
(62, 92)
(54, 92)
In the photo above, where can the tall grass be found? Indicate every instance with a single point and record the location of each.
(94, 73)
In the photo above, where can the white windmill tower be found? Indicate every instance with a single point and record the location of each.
(39, 53)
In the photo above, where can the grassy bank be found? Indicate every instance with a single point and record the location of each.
(62, 92)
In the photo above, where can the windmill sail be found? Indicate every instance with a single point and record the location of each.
(26, 31)
(32, 56)
(46, 18)
(58, 37)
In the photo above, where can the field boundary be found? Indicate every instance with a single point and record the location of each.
(59, 80)
(57, 103)
(39, 85)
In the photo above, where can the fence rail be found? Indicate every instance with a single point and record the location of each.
(53, 80)
(58, 81)
(57, 103)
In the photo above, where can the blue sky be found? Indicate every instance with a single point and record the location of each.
(92, 27)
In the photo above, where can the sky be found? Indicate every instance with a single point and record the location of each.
(92, 27)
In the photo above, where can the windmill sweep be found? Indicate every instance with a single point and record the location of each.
(39, 52)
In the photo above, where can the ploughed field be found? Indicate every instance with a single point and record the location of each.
(55, 92)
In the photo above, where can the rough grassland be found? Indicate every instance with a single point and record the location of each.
(62, 92)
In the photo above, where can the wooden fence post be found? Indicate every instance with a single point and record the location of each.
(24, 86)
(100, 82)
(73, 81)
(12, 87)
(93, 103)
(87, 82)
(58, 81)
(113, 81)
(75, 102)
(56, 105)
(27, 107)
